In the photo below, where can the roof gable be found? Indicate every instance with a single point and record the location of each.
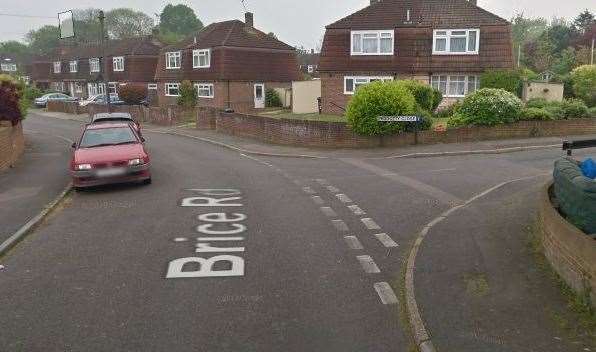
(426, 13)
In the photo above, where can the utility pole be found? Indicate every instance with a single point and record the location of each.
(518, 55)
(104, 58)
(592, 56)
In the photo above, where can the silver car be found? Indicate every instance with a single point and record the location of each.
(42, 101)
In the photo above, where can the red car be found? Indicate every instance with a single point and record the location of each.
(107, 153)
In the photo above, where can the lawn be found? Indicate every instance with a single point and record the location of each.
(287, 114)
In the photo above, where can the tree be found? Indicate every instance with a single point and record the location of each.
(583, 22)
(127, 23)
(179, 20)
(86, 25)
(12, 47)
(188, 95)
(43, 40)
(584, 83)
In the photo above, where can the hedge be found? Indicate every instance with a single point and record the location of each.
(488, 106)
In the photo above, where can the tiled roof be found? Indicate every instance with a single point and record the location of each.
(432, 13)
(115, 47)
(232, 33)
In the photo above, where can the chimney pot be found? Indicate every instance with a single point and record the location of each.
(249, 19)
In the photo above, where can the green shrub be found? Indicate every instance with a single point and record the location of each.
(423, 93)
(11, 105)
(188, 95)
(592, 112)
(133, 94)
(536, 114)
(456, 120)
(379, 99)
(425, 123)
(509, 80)
(489, 106)
(583, 80)
(272, 99)
(449, 110)
(31, 93)
(556, 110)
(540, 103)
(437, 99)
(574, 108)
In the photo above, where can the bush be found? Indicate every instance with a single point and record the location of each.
(425, 123)
(424, 94)
(437, 99)
(456, 120)
(583, 80)
(11, 107)
(556, 110)
(539, 103)
(379, 99)
(511, 81)
(489, 106)
(188, 95)
(592, 112)
(133, 94)
(449, 110)
(272, 99)
(574, 108)
(31, 93)
(536, 114)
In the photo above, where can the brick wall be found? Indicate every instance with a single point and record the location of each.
(571, 253)
(12, 143)
(69, 107)
(165, 116)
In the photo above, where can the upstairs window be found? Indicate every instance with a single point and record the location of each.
(372, 42)
(201, 58)
(94, 65)
(173, 60)
(351, 84)
(455, 41)
(9, 67)
(57, 67)
(118, 63)
(73, 66)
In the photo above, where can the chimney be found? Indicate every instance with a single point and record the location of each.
(473, 2)
(249, 19)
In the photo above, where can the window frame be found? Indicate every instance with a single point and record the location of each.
(167, 85)
(73, 64)
(8, 67)
(368, 78)
(379, 34)
(151, 86)
(116, 62)
(448, 83)
(176, 55)
(57, 67)
(211, 88)
(448, 37)
(197, 53)
(93, 62)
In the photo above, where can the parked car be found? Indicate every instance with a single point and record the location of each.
(117, 117)
(101, 99)
(108, 153)
(42, 101)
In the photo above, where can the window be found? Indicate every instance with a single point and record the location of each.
(173, 60)
(8, 67)
(58, 86)
(311, 69)
(455, 85)
(204, 90)
(78, 87)
(73, 66)
(455, 41)
(112, 90)
(372, 42)
(351, 84)
(118, 63)
(93, 65)
(172, 89)
(201, 58)
(101, 88)
(57, 67)
(152, 86)
(92, 89)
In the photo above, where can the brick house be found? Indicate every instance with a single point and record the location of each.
(230, 63)
(446, 43)
(78, 70)
(15, 66)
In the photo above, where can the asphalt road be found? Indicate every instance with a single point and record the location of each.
(311, 257)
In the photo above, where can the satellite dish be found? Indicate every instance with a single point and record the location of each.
(66, 24)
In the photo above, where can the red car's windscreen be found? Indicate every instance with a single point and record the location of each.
(107, 136)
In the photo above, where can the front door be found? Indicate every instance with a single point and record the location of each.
(259, 96)
(72, 89)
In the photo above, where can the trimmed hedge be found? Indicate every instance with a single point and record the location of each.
(488, 106)
(379, 99)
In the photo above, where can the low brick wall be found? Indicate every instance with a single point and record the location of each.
(12, 143)
(69, 107)
(165, 116)
(338, 134)
(571, 253)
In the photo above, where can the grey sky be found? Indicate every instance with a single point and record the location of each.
(295, 22)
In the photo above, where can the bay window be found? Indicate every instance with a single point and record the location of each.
(352, 83)
(372, 42)
(201, 58)
(455, 86)
(455, 41)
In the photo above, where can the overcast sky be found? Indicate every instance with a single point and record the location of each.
(297, 22)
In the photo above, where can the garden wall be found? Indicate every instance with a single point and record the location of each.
(571, 253)
(69, 107)
(338, 134)
(165, 116)
(12, 143)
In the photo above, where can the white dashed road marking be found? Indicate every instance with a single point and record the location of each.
(370, 224)
(386, 240)
(340, 225)
(318, 200)
(353, 242)
(180, 239)
(343, 198)
(356, 210)
(308, 190)
(329, 212)
(333, 189)
(220, 239)
(368, 264)
(385, 293)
